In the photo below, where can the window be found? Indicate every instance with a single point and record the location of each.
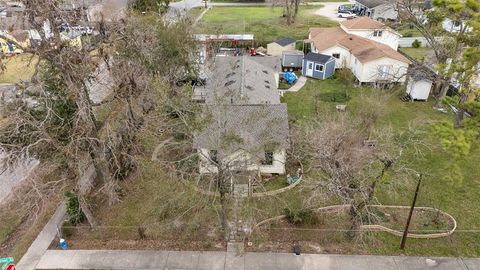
(318, 67)
(213, 156)
(383, 71)
(310, 65)
(268, 158)
(336, 55)
(377, 33)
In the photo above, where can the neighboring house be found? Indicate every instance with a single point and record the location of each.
(373, 30)
(318, 66)
(285, 44)
(292, 60)
(369, 61)
(8, 44)
(455, 26)
(246, 137)
(246, 126)
(376, 9)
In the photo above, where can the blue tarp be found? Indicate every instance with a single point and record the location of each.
(290, 77)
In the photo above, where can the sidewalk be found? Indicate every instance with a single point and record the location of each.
(43, 240)
(211, 260)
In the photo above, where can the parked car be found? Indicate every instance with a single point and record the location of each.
(346, 14)
(344, 8)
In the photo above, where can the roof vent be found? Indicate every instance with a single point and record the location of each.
(351, 38)
(229, 83)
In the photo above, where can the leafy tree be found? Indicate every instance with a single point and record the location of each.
(74, 211)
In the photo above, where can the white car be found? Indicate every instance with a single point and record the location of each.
(346, 14)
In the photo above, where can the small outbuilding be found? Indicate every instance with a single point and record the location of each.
(318, 66)
(419, 89)
(292, 60)
(278, 47)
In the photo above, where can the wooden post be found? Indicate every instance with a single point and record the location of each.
(405, 232)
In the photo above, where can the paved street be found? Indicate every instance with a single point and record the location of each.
(109, 259)
(330, 10)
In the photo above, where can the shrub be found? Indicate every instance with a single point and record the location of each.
(416, 43)
(408, 34)
(301, 216)
(345, 75)
(74, 212)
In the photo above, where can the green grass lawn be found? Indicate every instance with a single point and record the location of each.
(20, 67)
(408, 31)
(460, 199)
(195, 12)
(417, 53)
(266, 23)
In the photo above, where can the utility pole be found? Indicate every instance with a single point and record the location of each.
(405, 232)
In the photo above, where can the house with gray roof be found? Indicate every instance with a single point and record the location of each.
(249, 137)
(245, 125)
(239, 80)
(380, 10)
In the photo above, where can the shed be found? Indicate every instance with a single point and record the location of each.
(419, 89)
(318, 66)
(285, 44)
(292, 59)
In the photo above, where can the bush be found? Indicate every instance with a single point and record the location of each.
(345, 75)
(416, 43)
(408, 34)
(301, 216)
(74, 212)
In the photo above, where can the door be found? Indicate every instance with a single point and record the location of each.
(309, 71)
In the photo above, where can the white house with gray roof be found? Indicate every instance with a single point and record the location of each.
(246, 126)
(244, 137)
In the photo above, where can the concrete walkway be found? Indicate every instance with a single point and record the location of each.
(109, 259)
(43, 241)
(298, 85)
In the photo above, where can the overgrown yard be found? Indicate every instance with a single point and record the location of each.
(20, 67)
(266, 23)
(453, 193)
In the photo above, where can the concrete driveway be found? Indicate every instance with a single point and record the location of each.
(330, 9)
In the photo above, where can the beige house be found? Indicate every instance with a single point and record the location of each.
(369, 60)
(278, 47)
